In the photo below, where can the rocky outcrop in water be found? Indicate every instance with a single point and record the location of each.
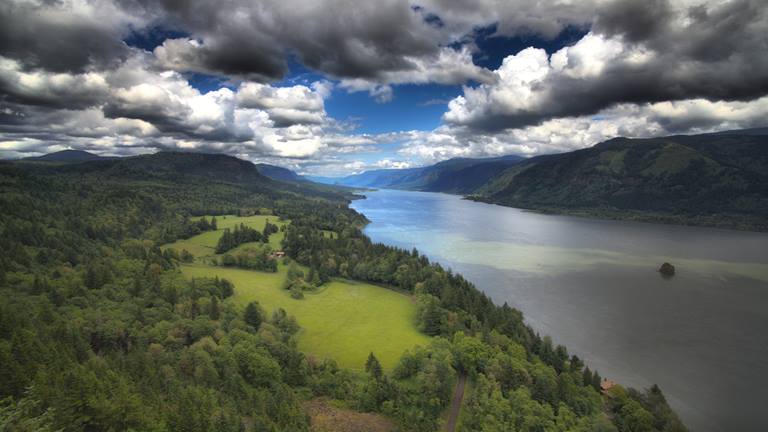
(667, 269)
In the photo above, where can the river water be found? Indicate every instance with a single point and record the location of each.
(593, 286)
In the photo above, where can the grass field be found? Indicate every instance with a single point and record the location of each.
(344, 320)
(204, 244)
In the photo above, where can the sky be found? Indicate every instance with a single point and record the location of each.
(335, 87)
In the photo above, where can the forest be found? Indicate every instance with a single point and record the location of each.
(100, 331)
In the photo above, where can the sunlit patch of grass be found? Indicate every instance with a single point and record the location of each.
(344, 320)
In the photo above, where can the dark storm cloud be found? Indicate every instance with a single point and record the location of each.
(47, 36)
(713, 52)
(635, 20)
(66, 76)
(342, 38)
(714, 31)
(239, 55)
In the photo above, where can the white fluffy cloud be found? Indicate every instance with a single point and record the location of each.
(525, 90)
(137, 106)
(572, 133)
(285, 105)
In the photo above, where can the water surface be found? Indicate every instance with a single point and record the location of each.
(593, 286)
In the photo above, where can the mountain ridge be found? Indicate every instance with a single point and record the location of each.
(710, 179)
(65, 156)
(715, 179)
(457, 175)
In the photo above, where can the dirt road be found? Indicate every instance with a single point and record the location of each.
(458, 396)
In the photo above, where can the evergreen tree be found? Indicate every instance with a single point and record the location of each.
(252, 315)
(91, 280)
(432, 319)
(596, 381)
(39, 285)
(213, 309)
(373, 367)
(576, 363)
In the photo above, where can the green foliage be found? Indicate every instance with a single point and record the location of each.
(712, 179)
(647, 411)
(253, 258)
(234, 238)
(99, 330)
(344, 320)
(253, 316)
(296, 282)
(373, 367)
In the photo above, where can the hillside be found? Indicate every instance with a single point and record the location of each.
(182, 167)
(279, 173)
(459, 175)
(101, 328)
(66, 156)
(714, 179)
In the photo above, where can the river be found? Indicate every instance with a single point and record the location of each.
(593, 286)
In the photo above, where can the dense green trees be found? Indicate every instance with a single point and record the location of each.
(234, 238)
(252, 257)
(515, 366)
(269, 229)
(253, 316)
(373, 367)
(297, 282)
(99, 330)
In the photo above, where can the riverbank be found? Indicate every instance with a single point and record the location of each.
(731, 222)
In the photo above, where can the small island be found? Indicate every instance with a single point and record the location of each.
(667, 270)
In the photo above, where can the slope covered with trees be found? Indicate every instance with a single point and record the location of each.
(714, 179)
(459, 175)
(279, 173)
(66, 156)
(99, 330)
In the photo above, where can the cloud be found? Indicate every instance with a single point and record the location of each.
(286, 105)
(571, 133)
(67, 79)
(138, 106)
(57, 90)
(545, 18)
(679, 58)
(64, 36)
(239, 55)
(447, 66)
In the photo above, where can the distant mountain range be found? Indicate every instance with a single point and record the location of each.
(77, 156)
(279, 173)
(176, 167)
(66, 156)
(718, 179)
(714, 179)
(459, 175)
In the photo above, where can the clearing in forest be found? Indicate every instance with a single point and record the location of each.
(205, 244)
(344, 320)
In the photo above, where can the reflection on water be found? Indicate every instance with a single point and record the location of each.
(592, 285)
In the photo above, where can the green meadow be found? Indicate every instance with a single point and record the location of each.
(204, 244)
(344, 320)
